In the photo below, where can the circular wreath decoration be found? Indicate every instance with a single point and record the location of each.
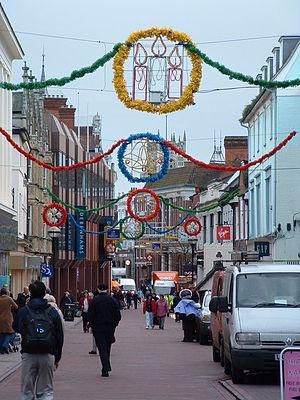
(149, 217)
(192, 226)
(55, 215)
(166, 157)
(110, 248)
(124, 225)
(120, 58)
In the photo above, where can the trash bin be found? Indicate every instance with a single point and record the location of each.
(69, 312)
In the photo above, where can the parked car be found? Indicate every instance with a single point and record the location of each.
(216, 319)
(260, 316)
(204, 320)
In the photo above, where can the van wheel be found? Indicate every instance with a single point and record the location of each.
(216, 354)
(237, 375)
(227, 366)
(222, 353)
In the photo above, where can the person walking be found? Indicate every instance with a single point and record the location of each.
(42, 340)
(128, 299)
(6, 320)
(22, 297)
(104, 316)
(84, 303)
(188, 311)
(135, 298)
(66, 299)
(51, 300)
(176, 300)
(149, 309)
(162, 310)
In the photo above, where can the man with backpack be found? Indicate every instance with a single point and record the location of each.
(42, 340)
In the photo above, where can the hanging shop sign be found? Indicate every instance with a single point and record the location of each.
(263, 248)
(81, 233)
(223, 232)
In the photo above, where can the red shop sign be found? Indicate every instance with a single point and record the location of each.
(223, 232)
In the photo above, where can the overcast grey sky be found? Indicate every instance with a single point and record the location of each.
(112, 21)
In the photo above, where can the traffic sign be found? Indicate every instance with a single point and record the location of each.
(46, 270)
(290, 372)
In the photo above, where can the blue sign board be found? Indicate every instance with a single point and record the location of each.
(113, 234)
(263, 248)
(46, 270)
(156, 246)
(80, 234)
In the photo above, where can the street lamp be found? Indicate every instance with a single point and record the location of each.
(54, 232)
(193, 243)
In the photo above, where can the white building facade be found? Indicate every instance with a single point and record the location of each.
(274, 185)
(10, 50)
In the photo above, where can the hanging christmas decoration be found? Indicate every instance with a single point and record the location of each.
(131, 229)
(192, 227)
(157, 72)
(143, 204)
(110, 248)
(54, 215)
(146, 155)
(164, 142)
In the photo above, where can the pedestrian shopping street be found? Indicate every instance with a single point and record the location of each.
(146, 364)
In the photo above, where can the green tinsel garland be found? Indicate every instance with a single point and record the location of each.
(101, 61)
(238, 75)
(110, 203)
(219, 203)
(67, 79)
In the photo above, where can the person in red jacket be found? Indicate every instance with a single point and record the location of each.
(84, 304)
(149, 308)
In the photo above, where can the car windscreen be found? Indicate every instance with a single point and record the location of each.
(266, 290)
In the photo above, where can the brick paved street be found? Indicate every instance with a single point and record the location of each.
(146, 365)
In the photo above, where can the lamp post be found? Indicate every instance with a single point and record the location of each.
(54, 232)
(193, 243)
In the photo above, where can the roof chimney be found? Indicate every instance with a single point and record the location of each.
(288, 43)
(53, 104)
(67, 116)
(264, 70)
(276, 53)
(236, 149)
(270, 67)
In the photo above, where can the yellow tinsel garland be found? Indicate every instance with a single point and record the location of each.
(120, 58)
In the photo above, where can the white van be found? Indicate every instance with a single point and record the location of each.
(127, 284)
(164, 287)
(260, 316)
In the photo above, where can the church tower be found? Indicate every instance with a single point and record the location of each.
(176, 160)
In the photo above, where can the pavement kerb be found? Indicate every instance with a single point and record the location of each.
(236, 391)
(16, 366)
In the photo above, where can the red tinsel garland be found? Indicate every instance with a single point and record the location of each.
(189, 221)
(60, 208)
(231, 167)
(61, 167)
(148, 217)
(170, 145)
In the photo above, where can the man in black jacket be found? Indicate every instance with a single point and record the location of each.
(42, 340)
(22, 297)
(104, 316)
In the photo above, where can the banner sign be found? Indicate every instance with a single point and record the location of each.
(223, 232)
(80, 234)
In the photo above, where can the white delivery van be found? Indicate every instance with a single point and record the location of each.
(164, 287)
(260, 310)
(127, 284)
